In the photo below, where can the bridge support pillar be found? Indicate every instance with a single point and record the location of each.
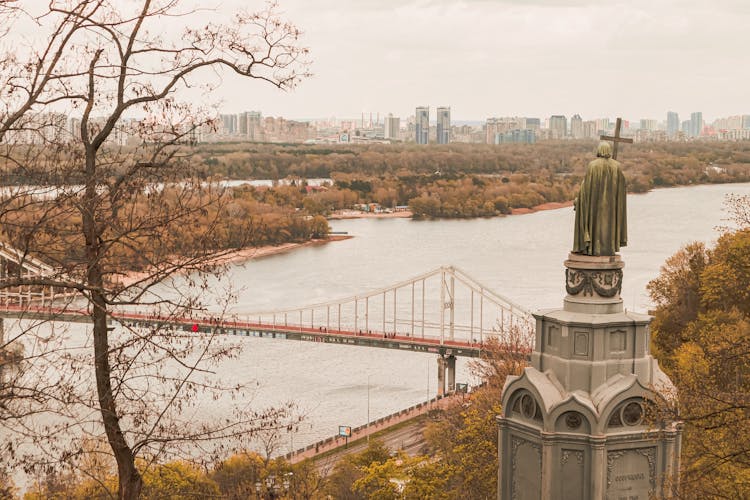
(441, 375)
(451, 375)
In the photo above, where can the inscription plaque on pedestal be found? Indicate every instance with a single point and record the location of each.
(631, 474)
(527, 470)
(572, 474)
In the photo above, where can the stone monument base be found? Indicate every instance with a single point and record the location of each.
(593, 284)
(574, 425)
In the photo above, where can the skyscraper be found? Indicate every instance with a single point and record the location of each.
(673, 123)
(422, 125)
(391, 127)
(576, 127)
(696, 124)
(558, 126)
(444, 125)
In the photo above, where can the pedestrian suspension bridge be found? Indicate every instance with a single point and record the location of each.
(444, 311)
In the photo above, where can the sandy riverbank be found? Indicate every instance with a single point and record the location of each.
(245, 254)
(265, 251)
(544, 206)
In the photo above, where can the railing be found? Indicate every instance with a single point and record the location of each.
(417, 409)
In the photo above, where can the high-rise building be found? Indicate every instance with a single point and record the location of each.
(685, 127)
(422, 125)
(495, 126)
(558, 126)
(673, 123)
(242, 123)
(696, 124)
(533, 124)
(602, 125)
(228, 124)
(254, 125)
(576, 127)
(589, 129)
(649, 124)
(391, 127)
(74, 128)
(249, 125)
(491, 129)
(734, 122)
(524, 136)
(746, 121)
(443, 125)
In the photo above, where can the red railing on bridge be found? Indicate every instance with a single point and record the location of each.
(196, 323)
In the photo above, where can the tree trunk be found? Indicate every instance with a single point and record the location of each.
(130, 481)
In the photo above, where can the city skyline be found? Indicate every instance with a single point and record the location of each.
(562, 58)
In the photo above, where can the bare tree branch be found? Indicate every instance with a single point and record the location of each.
(109, 196)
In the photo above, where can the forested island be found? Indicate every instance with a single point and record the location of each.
(460, 180)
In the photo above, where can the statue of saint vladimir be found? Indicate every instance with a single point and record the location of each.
(601, 218)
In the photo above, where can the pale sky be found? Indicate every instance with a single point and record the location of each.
(598, 58)
(635, 58)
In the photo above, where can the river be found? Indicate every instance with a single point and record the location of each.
(520, 257)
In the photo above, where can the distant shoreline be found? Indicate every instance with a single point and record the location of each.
(552, 205)
(268, 250)
(245, 254)
(356, 214)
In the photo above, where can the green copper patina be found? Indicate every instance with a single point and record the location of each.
(601, 219)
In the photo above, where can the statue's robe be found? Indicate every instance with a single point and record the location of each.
(601, 219)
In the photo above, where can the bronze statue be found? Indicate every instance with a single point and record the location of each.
(601, 218)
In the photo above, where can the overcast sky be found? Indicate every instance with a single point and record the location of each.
(635, 58)
(483, 58)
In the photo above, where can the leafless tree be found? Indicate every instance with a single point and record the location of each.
(503, 355)
(113, 194)
(738, 207)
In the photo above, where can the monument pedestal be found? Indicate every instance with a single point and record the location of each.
(575, 424)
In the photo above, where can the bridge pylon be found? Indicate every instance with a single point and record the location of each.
(446, 374)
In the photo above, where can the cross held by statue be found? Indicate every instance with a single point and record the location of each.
(616, 138)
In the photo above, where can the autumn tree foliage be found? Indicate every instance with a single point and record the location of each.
(702, 338)
(99, 208)
(464, 180)
(242, 476)
(461, 441)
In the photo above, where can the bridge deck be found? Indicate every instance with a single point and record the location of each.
(249, 329)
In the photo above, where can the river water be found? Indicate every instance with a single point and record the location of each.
(520, 257)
